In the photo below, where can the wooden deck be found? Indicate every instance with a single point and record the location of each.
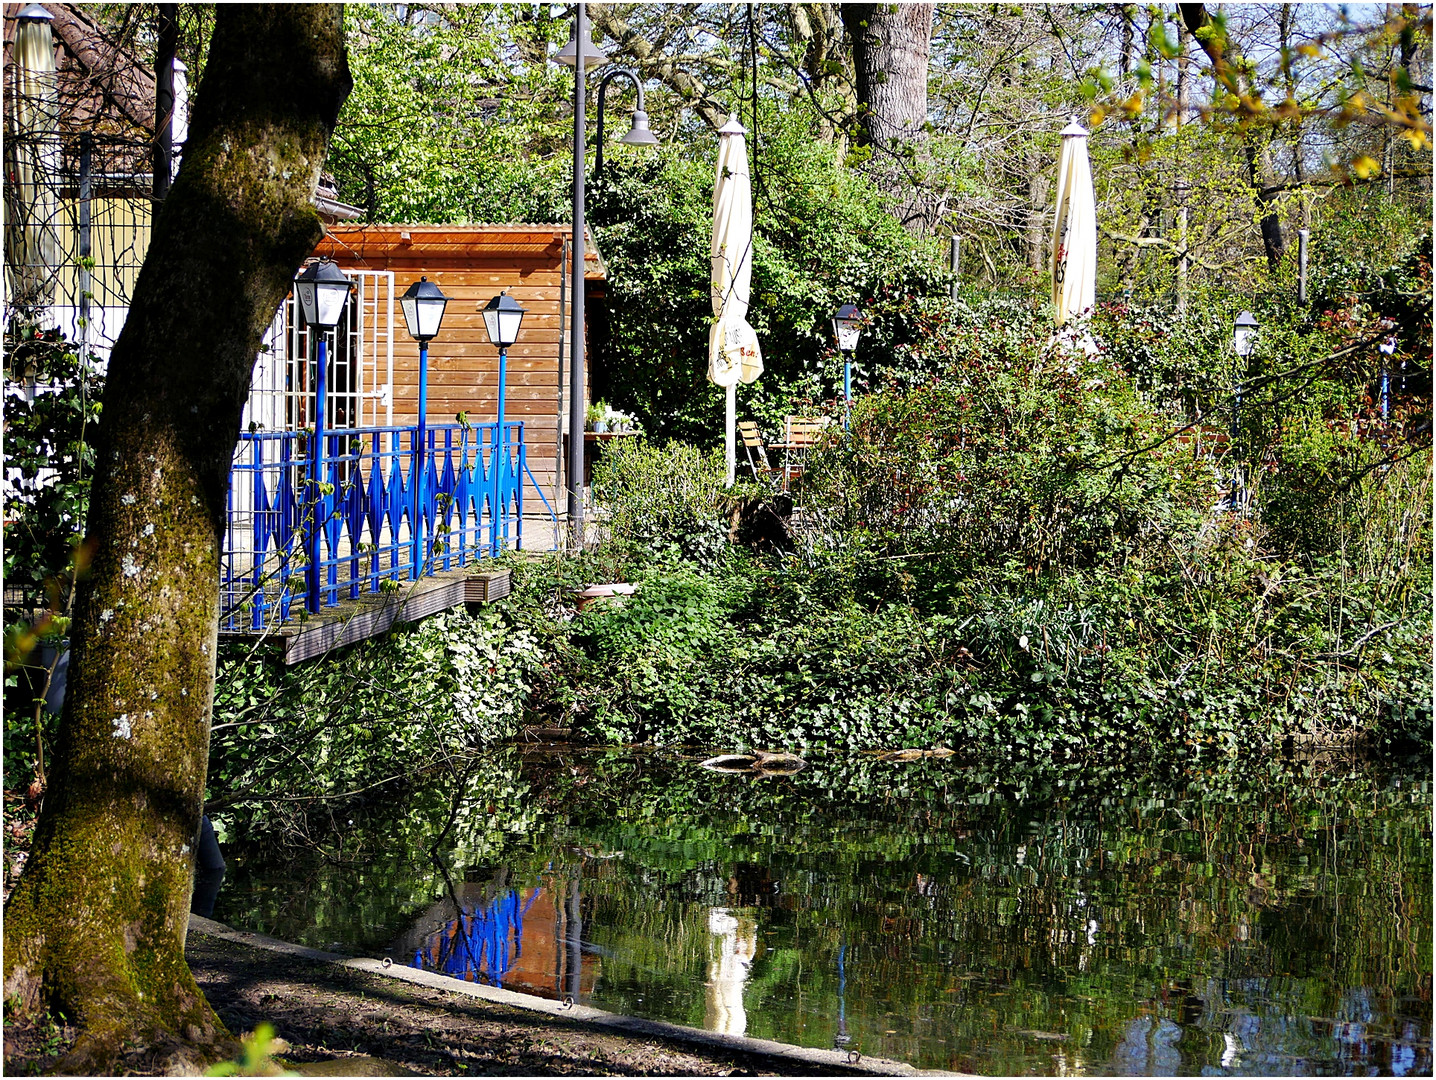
(308, 636)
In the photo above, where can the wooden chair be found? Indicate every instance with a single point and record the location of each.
(801, 434)
(756, 451)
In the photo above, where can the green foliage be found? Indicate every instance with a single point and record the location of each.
(49, 453)
(442, 126)
(822, 237)
(382, 711)
(668, 500)
(258, 1059)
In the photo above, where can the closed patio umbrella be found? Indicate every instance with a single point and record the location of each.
(733, 353)
(32, 248)
(1074, 234)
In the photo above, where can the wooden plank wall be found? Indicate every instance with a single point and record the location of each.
(463, 366)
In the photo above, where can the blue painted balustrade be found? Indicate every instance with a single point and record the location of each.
(300, 538)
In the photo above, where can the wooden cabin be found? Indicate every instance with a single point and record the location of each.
(471, 264)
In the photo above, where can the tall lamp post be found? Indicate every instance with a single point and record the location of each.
(423, 306)
(847, 328)
(322, 291)
(502, 318)
(581, 55)
(1244, 332)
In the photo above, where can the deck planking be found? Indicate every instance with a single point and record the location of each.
(373, 614)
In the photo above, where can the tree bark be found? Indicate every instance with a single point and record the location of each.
(1231, 73)
(891, 45)
(96, 926)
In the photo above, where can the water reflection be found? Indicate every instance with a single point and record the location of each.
(920, 912)
(527, 939)
(731, 951)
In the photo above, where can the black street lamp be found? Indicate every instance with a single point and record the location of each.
(322, 290)
(502, 318)
(1244, 332)
(638, 130)
(423, 306)
(847, 328)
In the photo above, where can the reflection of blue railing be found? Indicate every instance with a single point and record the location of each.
(468, 503)
(476, 945)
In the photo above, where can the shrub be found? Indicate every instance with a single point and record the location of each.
(668, 500)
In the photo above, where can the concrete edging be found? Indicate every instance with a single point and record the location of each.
(625, 1025)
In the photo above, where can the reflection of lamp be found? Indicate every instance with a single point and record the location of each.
(842, 1038)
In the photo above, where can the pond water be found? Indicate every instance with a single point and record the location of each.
(1255, 919)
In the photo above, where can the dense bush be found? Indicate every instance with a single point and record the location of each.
(668, 500)
(822, 238)
(384, 710)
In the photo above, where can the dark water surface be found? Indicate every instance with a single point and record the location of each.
(1254, 919)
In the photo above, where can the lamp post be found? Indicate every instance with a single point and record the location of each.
(1387, 349)
(847, 327)
(423, 306)
(502, 318)
(638, 131)
(322, 291)
(581, 55)
(1244, 332)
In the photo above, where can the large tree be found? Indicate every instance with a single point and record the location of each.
(890, 44)
(96, 926)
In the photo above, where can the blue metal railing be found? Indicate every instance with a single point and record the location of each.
(306, 529)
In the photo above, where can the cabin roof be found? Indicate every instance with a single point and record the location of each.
(362, 242)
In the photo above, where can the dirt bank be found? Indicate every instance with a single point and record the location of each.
(340, 1020)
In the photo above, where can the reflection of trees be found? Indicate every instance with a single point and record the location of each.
(1025, 920)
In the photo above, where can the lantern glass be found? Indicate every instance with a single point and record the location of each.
(847, 326)
(1244, 332)
(502, 318)
(322, 291)
(423, 306)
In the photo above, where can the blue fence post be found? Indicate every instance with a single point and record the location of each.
(421, 476)
(519, 489)
(316, 478)
(260, 532)
(498, 505)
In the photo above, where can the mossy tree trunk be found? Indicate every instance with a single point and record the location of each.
(96, 926)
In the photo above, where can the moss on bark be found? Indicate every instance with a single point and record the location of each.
(95, 928)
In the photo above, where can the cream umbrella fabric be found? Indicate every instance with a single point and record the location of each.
(733, 353)
(1074, 234)
(32, 247)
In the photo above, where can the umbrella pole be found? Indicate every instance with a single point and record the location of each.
(729, 422)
